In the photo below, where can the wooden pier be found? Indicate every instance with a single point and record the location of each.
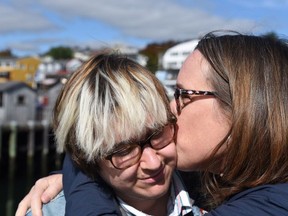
(27, 152)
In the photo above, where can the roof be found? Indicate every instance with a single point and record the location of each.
(187, 46)
(13, 85)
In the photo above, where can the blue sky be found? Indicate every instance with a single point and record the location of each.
(30, 27)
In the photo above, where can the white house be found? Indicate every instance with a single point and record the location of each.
(172, 61)
(174, 57)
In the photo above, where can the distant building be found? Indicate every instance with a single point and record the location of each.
(46, 100)
(48, 67)
(172, 61)
(73, 64)
(7, 64)
(17, 102)
(175, 56)
(132, 53)
(25, 70)
(22, 70)
(129, 51)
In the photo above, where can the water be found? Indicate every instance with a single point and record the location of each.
(18, 175)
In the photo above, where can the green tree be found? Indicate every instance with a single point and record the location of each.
(6, 53)
(60, 52)
(272, 35)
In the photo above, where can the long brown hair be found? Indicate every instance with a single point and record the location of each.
(250, 75)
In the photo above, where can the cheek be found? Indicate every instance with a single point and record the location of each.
(184, 142)
(119, 179)
(199, 132)
(170, 155)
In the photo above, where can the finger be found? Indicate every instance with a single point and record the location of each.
(36, 203)
(55, 186)
(43, 191)
(24, 205)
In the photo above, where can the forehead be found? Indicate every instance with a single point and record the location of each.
(193, 73)
(136, 133)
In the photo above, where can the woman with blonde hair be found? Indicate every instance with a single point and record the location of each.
(113, 120)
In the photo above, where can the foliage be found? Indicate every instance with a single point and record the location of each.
(271, 35)
(6, 53)
(60, 53)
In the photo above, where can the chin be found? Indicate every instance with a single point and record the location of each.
(156, 192)
(185, 167)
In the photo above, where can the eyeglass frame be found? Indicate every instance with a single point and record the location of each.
(180, 91)
(144, 143)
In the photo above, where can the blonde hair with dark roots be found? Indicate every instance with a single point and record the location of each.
(109, 99)
(250, 75)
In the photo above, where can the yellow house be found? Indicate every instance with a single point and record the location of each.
(24, 70)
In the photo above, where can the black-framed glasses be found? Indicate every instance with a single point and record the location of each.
(179, 94)
(129, 153)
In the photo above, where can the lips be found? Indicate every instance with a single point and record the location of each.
(155, 177)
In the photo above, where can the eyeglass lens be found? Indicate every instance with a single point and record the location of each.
(131, 154)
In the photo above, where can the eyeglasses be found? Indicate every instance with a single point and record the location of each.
(128, 154)
(180, 93)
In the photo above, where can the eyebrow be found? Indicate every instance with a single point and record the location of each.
(131, 140)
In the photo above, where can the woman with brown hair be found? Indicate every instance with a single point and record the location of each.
(232, 114)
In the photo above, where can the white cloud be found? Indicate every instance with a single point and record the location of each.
(122, 20)
(150, 19)
(17, 19)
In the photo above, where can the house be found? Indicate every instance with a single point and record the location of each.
(132, 53)
(49, 67)
(47, 97)
(22, 70)
(172, 61)
(25, 70)
(7, 64)
(174, 57)
(17, 102)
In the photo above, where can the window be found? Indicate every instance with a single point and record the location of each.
(172, 64)
(174, 54)
(21, 100)
(186, 53)
(23, 66)
(5, 74)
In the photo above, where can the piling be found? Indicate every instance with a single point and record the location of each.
(31, 140)
(0, 141)
(45, 125)
(13, 140)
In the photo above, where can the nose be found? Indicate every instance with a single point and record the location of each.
(173, 107)
(149, 159)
